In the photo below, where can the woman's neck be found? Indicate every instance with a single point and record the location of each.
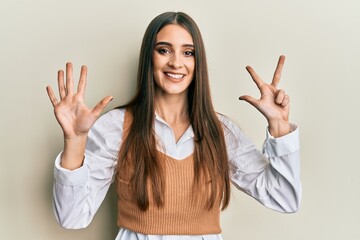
(173, 108)
(174, 111)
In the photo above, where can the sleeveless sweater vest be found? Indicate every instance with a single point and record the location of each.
(180, 214)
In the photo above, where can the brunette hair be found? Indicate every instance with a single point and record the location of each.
(210, 156)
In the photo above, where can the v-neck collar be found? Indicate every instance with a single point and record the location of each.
(189, 133)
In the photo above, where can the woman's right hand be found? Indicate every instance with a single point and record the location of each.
(74, 117)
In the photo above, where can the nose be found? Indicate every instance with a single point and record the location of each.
(176, 60)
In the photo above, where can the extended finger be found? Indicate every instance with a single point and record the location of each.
(249, 99)
(51, 95)
(82, 80)
(255, 77)
(278, 70)
(101, 105)
(69, 80)
(61, 86)
(280, 95)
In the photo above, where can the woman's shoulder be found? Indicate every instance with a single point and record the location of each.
(105, 136)
(232, 130)
(116, 113)
(227, 122)
(110, 120)
(235, 138)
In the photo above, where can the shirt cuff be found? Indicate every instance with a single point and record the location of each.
(289, 143)
(67, 177)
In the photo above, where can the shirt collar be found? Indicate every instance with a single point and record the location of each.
(189, 133)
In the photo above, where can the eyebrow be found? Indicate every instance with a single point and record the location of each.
(169, 44)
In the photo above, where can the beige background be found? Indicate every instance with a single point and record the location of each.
(320, 39)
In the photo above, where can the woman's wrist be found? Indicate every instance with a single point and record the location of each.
(73, 154)
(279, 128)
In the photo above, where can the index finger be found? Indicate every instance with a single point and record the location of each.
(278, 70)
(255, 77)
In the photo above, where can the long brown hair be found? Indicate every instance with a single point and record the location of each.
(210, 156)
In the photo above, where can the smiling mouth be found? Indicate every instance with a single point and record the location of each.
(175, 76)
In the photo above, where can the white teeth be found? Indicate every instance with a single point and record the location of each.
(177, 76)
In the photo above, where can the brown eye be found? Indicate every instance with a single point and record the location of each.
(189, 53)
(163, 51)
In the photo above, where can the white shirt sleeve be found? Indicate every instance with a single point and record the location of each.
(272, 176)
(79, 193)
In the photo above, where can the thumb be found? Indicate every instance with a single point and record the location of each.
(101, 105)
(249, 99)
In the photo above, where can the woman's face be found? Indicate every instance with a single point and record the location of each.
(174, 60)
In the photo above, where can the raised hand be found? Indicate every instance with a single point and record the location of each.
(274, 103)
(74, 117)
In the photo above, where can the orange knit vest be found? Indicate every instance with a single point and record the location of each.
(180, 215)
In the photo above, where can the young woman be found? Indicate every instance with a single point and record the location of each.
(172, 156)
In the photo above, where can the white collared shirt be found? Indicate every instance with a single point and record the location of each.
(272, 176)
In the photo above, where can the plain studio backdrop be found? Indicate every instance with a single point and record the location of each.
(319, 38)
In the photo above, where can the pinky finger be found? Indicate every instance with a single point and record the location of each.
(51, 95)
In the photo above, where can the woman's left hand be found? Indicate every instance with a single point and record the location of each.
(274, 103)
